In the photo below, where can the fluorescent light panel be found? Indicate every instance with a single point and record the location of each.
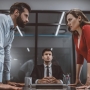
(19, 31)
(60, 21)
(28, 49)
(51, 49)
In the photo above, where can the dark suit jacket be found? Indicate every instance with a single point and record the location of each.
(38, 72)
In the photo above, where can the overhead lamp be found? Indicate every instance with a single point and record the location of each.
(28, 49)
(51, 49)
(19, 31)
(60, 21)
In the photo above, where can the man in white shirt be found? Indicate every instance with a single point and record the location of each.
(19, 13)
(47, 72)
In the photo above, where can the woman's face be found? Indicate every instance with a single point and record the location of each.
(72, 22)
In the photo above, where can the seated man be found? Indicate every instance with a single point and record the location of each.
(47, 72)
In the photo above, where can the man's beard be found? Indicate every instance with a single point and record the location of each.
(20, 22)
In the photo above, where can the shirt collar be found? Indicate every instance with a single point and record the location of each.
(11, 23)
(48, 65)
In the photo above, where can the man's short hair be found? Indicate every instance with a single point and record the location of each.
(20, 6)
(46, 49)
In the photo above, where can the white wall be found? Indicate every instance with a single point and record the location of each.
(49, 4)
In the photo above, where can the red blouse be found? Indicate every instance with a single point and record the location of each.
(84, 47)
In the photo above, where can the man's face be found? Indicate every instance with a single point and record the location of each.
(47, 56)
(22, 19)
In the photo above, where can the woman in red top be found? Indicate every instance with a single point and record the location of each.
(79, 25)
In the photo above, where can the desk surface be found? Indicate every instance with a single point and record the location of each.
(49, 87)
(69, 88)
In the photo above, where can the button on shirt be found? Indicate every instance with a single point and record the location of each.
(6, 38)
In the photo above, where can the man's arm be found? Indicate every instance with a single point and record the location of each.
(7, 63)
(1, 52)
(7, 67)
(9, 87)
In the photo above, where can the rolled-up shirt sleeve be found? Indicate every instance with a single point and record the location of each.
(7, 62)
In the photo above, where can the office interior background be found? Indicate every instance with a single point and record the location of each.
(40, 33)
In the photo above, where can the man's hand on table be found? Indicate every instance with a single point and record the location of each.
(9, 87)
(16, 84)
(49, 80)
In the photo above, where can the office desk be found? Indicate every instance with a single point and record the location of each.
(49, 87)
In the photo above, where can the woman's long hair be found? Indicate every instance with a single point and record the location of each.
(76, 13)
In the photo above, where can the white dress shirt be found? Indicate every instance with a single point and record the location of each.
(6, 38)
(50, 70)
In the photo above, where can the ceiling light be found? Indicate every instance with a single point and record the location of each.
(28, 49)
(60, 21)
(51, 49)
(19, 31)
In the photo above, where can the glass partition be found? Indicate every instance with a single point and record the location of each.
(38, 34)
